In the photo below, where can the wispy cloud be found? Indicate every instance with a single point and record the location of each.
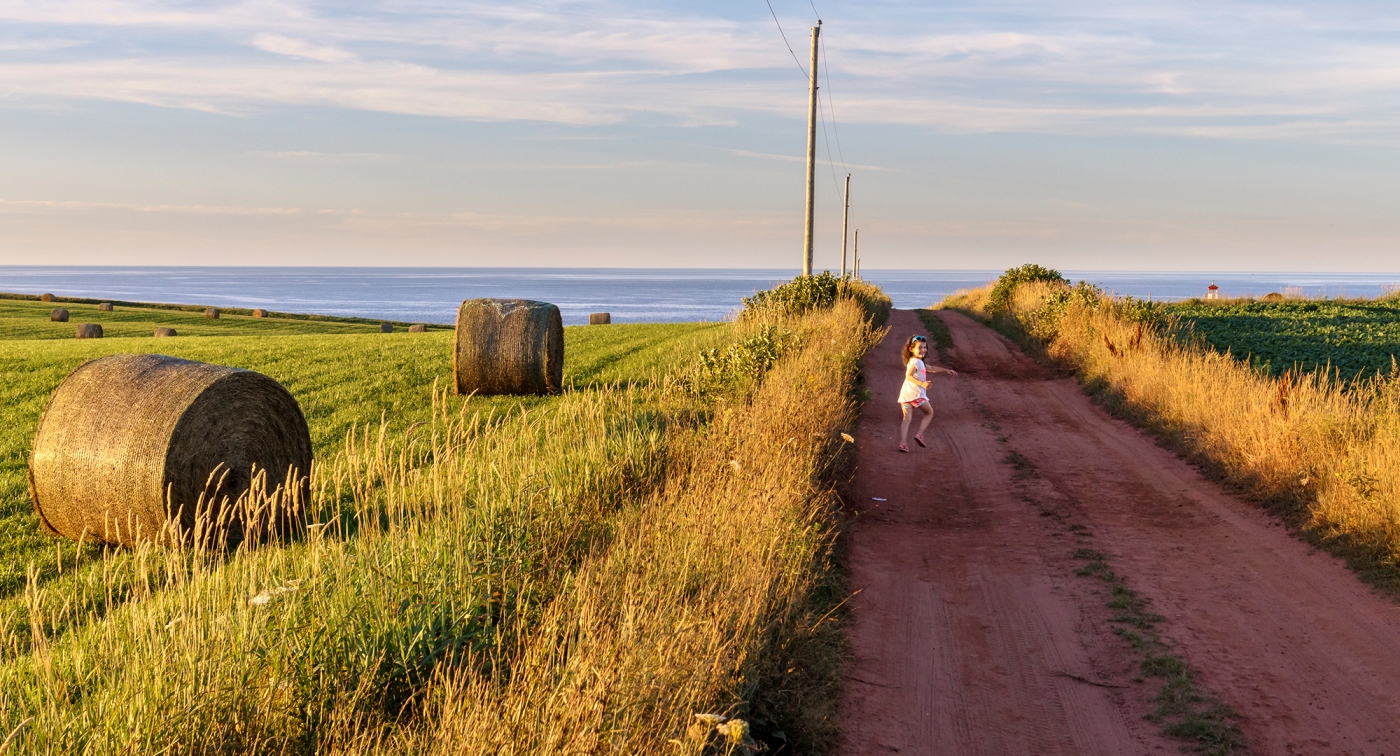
(1314, 70)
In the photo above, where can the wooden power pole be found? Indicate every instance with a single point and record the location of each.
(845, 219)
(811, 154)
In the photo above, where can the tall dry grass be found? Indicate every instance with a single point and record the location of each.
(584, 578)
(1326, 454)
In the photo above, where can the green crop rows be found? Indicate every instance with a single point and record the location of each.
(1353, 338)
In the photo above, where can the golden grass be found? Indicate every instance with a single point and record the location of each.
(586, 577)
(1326, 454)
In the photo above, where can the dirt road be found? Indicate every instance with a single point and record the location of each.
(973, 635)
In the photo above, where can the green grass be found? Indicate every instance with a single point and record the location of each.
(1353, 338)
(340, 379)
(29, 319)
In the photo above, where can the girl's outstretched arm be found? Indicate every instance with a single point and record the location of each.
(936, 369)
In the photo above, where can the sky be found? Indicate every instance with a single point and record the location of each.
(1082, 135)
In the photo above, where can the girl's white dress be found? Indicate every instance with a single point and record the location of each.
(912, 393)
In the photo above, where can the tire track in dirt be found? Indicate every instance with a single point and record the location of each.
(972, 634)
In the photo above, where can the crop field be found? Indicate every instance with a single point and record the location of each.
(560, 574)
(1353, 339)
(342, 374)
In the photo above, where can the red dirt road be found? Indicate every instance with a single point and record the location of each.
(973, 635)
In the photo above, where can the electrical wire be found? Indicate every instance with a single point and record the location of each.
(826, 65)
(785, 39)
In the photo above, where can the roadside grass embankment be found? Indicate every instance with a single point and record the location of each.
(585, 572)
(1322, 452)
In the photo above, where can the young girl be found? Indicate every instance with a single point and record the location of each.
(914, 394)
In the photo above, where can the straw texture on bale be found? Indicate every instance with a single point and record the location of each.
(385, 328)
(259, 313)
(508, 346)
(163, 332)
(45, 297)
(212, 313)
(417, 328)
(89, 331)
(59, 315)
(149, 447)
(600, 318)
(105, 307)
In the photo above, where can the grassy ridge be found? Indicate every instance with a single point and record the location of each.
(1354, 338)
(1324, 454)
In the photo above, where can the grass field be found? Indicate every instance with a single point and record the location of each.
(340, 379)
(579, 573)
(1352, 338)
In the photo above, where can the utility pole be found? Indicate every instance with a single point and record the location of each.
(856, 256)
(845, 219)
(811, 154)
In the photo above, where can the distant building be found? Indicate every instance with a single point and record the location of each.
(1212, 291)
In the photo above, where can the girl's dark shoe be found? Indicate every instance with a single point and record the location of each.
(919, 439)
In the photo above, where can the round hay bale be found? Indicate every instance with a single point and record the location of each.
(164, 332)
(89, 331)
(259, 313)
(45, 297)
(148, 447)
(417, 328)
(1273, 296)
(600, 318)
(385, 328)
(59, 315)
(105, 307)
(508, 346)
(212, 313)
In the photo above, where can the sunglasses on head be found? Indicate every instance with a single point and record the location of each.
(918, 338)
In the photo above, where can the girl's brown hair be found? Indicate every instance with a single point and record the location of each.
(908, 353)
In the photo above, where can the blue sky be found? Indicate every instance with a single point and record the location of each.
(1160, 136)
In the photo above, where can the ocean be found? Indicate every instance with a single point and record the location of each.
(432, 295)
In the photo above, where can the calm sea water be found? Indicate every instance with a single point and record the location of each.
(432, 295)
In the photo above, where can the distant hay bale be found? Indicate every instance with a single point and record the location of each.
(385, 328)
(600, 318)
(212, 313)
(59, 315)
(259, 313)
(163, 332)
(508, 346)
(417, 328)
(89, 331)
(105, 307)
(45, 297)
(149, 447)
(1273, 296)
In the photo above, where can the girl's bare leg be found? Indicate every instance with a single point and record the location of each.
(904, 425)
(927, 409)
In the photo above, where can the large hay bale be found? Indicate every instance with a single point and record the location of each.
(1273, 296)
(59, 315)
(45, 297)
(148, 447)
(105, 307)
(163, 332)
(89, 331)
(417, 328)
(508, 346)
(259, 313)
(386, 328)
(600, 318)
(212, 313)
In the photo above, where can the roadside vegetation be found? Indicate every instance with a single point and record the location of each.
(1321, 450)
(640, 565)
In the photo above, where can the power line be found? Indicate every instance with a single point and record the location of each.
(785, 39)
(821, 116)
(826, 64)
(814, 9)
